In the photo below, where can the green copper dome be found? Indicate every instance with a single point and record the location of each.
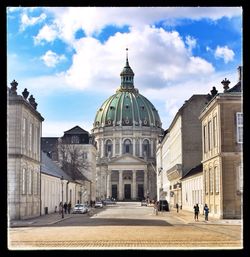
(127, 107)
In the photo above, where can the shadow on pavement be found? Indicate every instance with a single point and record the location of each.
(114, 222)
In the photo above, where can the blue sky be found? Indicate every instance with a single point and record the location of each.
(70, 58)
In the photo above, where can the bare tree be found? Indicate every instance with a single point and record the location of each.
(72, 161)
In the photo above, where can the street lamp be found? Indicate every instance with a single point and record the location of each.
(62, 196)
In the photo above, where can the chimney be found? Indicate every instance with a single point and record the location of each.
(225, 84)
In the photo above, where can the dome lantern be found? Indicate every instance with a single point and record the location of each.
(127, 76)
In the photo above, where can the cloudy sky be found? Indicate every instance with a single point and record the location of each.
(70, 59)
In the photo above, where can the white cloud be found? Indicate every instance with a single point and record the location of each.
(191, 43)
(51, 59)
(27, 21)
(164, 50)
(46, 33)
(224, 53)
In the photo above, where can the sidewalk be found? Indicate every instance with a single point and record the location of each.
(188, 218)
(43, 220)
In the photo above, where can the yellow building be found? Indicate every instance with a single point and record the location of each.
(222, 138)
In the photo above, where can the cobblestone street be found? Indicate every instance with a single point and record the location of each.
(126, 226)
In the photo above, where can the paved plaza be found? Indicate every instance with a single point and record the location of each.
(125, 226)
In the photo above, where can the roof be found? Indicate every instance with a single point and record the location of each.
(194, 171)
(76, 130)
(51, 168)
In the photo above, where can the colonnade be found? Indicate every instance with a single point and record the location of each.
(133, 182)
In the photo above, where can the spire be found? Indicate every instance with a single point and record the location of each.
(127, 64)
(127, 75)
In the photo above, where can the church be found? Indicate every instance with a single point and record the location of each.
(126, 129)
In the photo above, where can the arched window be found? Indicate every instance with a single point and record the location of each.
(108, 151)
(145, 148)
(127, 146)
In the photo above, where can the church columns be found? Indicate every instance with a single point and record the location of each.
(113, 146)
(151, 147)
(133, 146)
(140, 147)
(109, 183)
(120, 187)
(145, 183)
(102, 148)
(120, 146)
(133, 184)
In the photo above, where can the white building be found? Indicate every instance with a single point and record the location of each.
(126, 131)
(24, 126)
(57, 186)
(179, 150)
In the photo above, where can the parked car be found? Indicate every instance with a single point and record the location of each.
(144, 203)
(80, 208)
(109, 201)
(99, 204)
(163, 205)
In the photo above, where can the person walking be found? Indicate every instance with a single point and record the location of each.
(65, 206)
(196, 212)
(69, 207)
(206, 211)
(60, 207)
(177, 207)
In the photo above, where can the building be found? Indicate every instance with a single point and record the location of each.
(57, 186)
(24, 124)
(75, 153)
(192, 188)
(126, 130)
(180, 150)
(222, 137)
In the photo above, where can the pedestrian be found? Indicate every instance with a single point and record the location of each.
(65, 206)
(196, 212)
(60, 207)
(177, 207)
(69, 207)
(206, 210)
(156, 207)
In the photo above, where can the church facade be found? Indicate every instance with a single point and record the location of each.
(126, 130)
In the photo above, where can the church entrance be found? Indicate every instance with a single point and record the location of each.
(114, 191)
(127, 191)
(140, 192)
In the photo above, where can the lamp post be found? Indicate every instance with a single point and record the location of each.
(62, 197)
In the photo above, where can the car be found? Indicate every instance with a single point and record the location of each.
(80, 208)
(163, 205)
(109, 202)
(144, 203)
(98, 204)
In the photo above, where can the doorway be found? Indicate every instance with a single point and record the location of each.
(140, 192)
(114, 191)
(127, 191)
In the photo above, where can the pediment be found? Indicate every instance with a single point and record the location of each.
(127, 159)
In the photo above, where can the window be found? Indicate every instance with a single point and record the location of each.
(217, 179)
(24, 132)
(209, 135)
(30, 137)
(74, 140)
(30, 182)
(239, 127)
(240, 178)
(108, 148)
(211, 181)
(24, 181)
(206, 182)
(127, 146)
(145, 148)
(215, 130)
(205, 138)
